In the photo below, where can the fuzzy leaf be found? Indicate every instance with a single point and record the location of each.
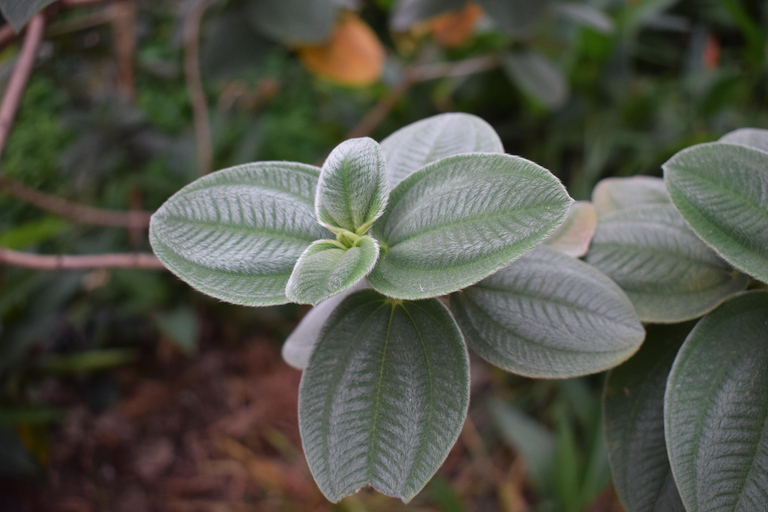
(754, 138)
(236, 234)
(633, 413)
(716, 412)
(575, 234)
(460, 219)
(426, 141)
(325, 269)
(666, 270)
(548, 315)
(722, 192)
(384, 396)
(352, 191)
(612, 194)
(537, 77)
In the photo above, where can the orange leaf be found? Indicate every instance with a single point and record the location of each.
(353, 56)
(454, 28)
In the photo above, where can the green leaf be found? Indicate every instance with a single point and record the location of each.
(236, 234)
(537, 76)
(325, 269)
(575, 234)
(548, 315)
(293, 22)
(612, 194)
(19, 12)
(754, 138)
(722, 192)
(515, 17)
(352, 192)
(460, 219)
(384, 396)
(633, 413)
(715, 409)
(586, 15)
(666, 270)
(426, 141)
(407, 13)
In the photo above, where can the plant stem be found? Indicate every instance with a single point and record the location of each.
(62, 262)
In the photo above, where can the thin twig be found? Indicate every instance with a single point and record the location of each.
(40, 262)
(195, 85)
(124, 28)
(20, 76)
(75, 211)
(380, 111)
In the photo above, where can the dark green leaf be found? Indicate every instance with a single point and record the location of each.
(293, 22)
(407, 13)
(537, 77)
(722, 192)
(426, 141)
(232, 47)
(548, 315)
(236, 234)
(633, 411)
(516, 17)
(460, 219)
(325, 269)
(384, 396)
(19, 12)
(716, 412)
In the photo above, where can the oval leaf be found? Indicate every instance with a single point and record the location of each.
(236, 234)
(613, 194)
(574, 236)
(384, 396)
(548, 315)
(666, 270)
(716, 412)
(754, 138)
(633, 414)
(537, 77)
(352, 191)
(460, 219)
(722, 192)
(325, 269)
(293, 22)
(426, 141)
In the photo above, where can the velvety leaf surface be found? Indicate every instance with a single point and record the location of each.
(716, 412)
(575, 234)
(426, 141)
(293, 22)
(516, 17)
(633, 415)
(548, 315)
(19, 12)
(407, 13)
(722, 192)
(754, 138)
(325, 269)
(613, 194)
(236, 234)
(352, 191)
(666, 270)
(384, 396)
(460, 219)
(537, 76)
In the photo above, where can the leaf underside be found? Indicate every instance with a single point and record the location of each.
(575, 234)
(633, 415)
(716, 412)
(722, 192)
(548, 315)
(236, 234)
(460, 219)
(384, 396)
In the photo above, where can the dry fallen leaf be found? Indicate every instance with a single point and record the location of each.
(455, 27)
(353, 56)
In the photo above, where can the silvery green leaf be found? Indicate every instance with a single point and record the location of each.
(716, 412)
(633, 413)
(613, 194)
(575, 234)
(587, 15)
(384, 396)
(460, 219)
(300, 343)
(754, 138)
(548, 315)
(352, 192)
(407, 13)
(537, 77)
(721, 190)
(426, 141)
(325, 269)
(515, 17)
(666, 270)
(293, 22)
(236, 234)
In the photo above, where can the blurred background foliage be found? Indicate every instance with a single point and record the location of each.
(115, 116)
